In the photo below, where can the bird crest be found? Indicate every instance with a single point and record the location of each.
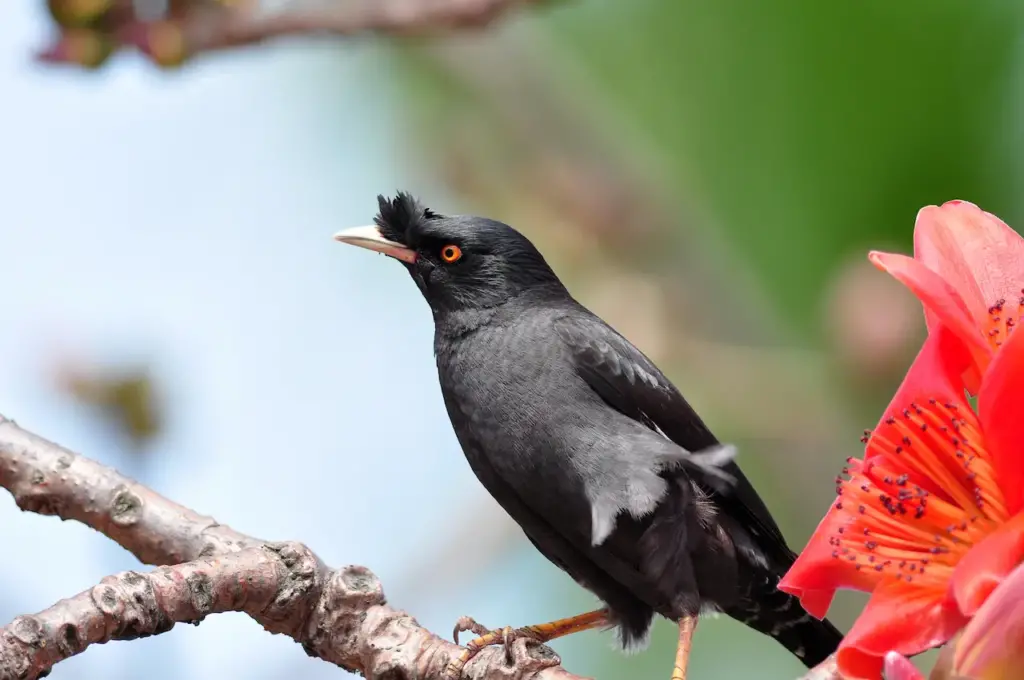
(399, 215)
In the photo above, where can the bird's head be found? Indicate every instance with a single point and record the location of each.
(458, 261)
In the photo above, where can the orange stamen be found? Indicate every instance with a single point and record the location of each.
(924, 495)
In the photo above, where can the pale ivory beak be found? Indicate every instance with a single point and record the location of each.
(371, 239)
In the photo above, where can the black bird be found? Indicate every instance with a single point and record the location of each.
(588, 446)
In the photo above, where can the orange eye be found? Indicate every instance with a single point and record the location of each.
(451, 253)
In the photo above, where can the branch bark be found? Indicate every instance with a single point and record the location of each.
(191, 27)
(338, 615)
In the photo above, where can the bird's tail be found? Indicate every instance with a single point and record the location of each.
(781, 616)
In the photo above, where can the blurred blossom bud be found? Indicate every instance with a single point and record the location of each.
(81, 46)
(78, 13)
(162, 41)
(898, 667)
(872, 320)
(128, 397)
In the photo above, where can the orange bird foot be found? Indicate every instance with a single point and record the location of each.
(507, 636)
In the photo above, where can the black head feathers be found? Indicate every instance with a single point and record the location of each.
(493, 262)
(400, 215)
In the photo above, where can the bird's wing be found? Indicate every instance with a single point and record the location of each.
(630, 383)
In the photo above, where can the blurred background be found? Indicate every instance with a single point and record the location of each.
(706, 176)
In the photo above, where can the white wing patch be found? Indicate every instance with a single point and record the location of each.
(639, 497)
(645, 488)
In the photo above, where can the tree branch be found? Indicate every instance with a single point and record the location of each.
(340, 616)
(50, 480)
(191, 27)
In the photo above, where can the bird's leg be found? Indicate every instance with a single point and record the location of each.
(542, 632)
(686, 627)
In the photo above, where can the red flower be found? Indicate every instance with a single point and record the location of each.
(929, 521)
(968, 271)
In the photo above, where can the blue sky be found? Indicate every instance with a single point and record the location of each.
(185, 220)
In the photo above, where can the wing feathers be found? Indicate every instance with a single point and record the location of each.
(629, 382)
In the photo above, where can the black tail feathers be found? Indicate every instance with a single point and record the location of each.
(780, 616)
(809, 639)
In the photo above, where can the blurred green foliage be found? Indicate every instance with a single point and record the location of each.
(814, 128)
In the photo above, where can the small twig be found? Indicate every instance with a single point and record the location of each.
(337, 615)
(192, 27)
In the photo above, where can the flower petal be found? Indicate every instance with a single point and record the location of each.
(816, 602)
(986, 565)
(934, 373)
(976, 253)
(898, 618)
(1000, 411)
(994, 639)
(943, 307)
(959, 362)
(817, 575)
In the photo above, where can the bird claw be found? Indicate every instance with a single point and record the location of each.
(468, 624)
(513, 640)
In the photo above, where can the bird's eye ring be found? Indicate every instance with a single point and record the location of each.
(451, 253)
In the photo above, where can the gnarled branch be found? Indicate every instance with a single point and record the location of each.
(340, 615)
